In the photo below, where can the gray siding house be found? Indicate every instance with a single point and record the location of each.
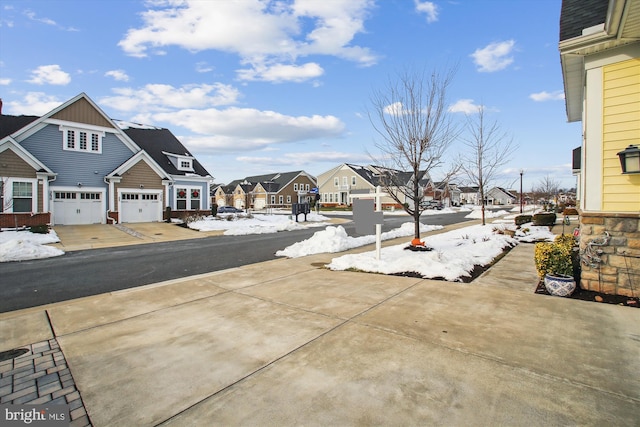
(74, 165)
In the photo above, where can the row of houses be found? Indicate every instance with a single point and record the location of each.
(75, 165)
(338, 186)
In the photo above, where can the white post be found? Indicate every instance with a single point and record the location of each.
(378, 199)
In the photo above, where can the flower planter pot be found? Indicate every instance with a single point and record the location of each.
(559, 285)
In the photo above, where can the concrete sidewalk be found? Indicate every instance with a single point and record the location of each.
(287, 342)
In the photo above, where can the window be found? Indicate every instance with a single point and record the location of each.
(336, 182)
(353, 180)
(273, 199)
(188, 198)
(195, 198)
(280, 199)
(22, 196)
(185, 164)
(95, 142)
(82, 140)
(306, 187)
(71, 140)
(1, 195)
(288, 199)
(181, 198)
(295, 187)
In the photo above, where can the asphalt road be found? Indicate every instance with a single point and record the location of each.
(89, 272)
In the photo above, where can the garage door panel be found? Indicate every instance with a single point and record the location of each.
(140, 207)
(77, 208)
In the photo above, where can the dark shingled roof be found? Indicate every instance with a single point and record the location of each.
(577, 15)
(155, 141)
(10, 124)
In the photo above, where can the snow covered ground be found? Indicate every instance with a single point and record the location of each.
(454, 254)
(24, 245)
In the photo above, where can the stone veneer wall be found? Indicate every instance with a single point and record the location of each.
(618, 270)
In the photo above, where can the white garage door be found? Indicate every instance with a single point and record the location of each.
(259, 204)
(140, 207)
(77, 207)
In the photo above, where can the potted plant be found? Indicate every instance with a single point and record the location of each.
(555, 265)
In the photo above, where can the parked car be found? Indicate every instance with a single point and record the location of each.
(228, 209)
(432, 204)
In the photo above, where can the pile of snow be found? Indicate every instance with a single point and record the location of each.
(335, 239)
(24, 245)
(454, 254)
(240, 224)
(477, 214)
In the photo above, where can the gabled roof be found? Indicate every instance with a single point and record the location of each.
(159, 141)
(61, 115)
(588, 27)
(469, 189)
(139, 156)
(9, 143)
(502, 190)
(11, 124)
(576, 15)
(272, 183)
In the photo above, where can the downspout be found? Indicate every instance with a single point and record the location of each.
(110, 195)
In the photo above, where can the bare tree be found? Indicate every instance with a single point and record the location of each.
(488, 148)
(410, 114)
(548, 187)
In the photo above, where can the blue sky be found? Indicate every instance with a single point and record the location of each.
(254, 87)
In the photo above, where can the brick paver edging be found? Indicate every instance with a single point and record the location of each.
(41, 377)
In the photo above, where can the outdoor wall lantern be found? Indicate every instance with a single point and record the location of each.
(630, 159)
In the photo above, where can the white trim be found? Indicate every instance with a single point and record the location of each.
(77, 130)
(189, 189)
(69, 189)
(592, 165)
(11, 144)
(139, 191)
(8, 192)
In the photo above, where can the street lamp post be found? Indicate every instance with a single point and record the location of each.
(521, 199)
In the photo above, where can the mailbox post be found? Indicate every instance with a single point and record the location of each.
(365, 216)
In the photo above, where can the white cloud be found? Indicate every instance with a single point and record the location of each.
(31, 15)
(495, 56)
(203, 67)
(49, 74)
(280, 72)
(464, 106)
(229, 131)
(304, 158)
(5, 82)
(263, 34)
(558, 95)
(160, 97)
(118, 75)
(34, 103)
(395, 109)
(429, 8)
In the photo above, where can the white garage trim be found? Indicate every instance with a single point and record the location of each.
(74, 206)
(136, 205)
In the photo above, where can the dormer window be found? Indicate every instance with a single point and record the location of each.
(181, 162)
(88, 141)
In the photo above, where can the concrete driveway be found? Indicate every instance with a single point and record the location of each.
(92, 236)
(286, 342)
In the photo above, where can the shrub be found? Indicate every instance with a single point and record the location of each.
(555, 257)
(40, 229)
(544, 218)
(570, 211)
(522, 219)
